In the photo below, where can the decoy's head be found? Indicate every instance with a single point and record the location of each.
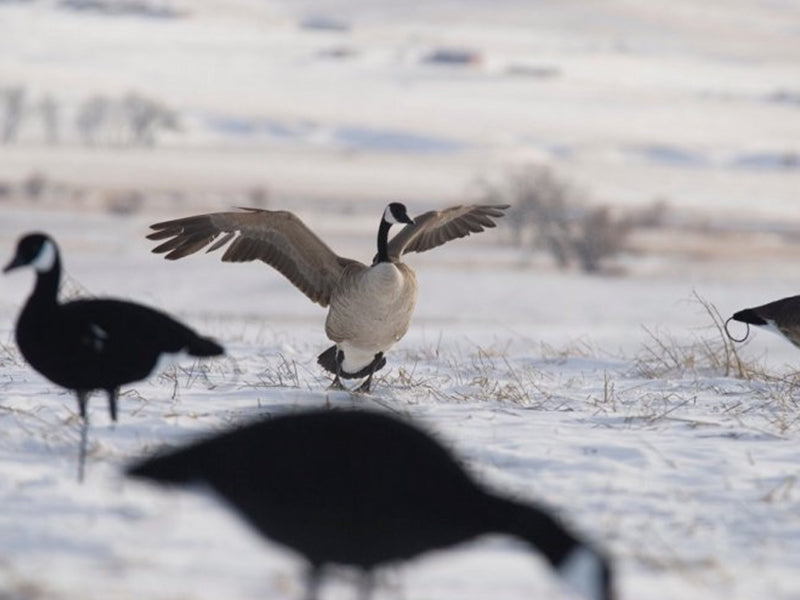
(396, 213)
(37, 250)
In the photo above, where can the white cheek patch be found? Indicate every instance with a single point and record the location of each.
(771, 326)
(46, 258)
(388, 216)
(583, 572)
(99, 337)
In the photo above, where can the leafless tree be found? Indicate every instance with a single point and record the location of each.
(90, 119)
(549, 213)
(134, 120)
(146, 117)
(50, 117)
(13, 103)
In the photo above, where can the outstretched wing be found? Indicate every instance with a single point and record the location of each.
(278, 238)
(438, 227)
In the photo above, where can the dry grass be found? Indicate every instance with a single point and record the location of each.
(662, 383)
(711, 353)
(482, 374)
(284, 373)
(778, 401)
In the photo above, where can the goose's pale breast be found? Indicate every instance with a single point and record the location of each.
(371, 308)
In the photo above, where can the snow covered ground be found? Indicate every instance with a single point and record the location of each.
(595, 395)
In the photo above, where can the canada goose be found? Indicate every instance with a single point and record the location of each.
(781, 316)
(96, 344)
(364, 489)
(370, 308)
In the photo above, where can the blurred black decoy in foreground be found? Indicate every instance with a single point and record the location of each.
(364, 489)
(93, 344)
(781, 316)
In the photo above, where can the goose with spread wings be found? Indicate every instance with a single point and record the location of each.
(369, 307)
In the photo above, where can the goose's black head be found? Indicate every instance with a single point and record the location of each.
(37, 250)
(396, 213)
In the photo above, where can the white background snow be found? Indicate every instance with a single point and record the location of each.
(533, 376)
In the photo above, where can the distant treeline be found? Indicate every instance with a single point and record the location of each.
(129, 120)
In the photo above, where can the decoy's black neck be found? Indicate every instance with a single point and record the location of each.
(383, 242)
(46, 289)
(534, 526)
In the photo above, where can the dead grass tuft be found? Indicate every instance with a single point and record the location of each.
(710, 353)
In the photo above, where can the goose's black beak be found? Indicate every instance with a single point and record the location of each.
(15, 263)
(402, 215)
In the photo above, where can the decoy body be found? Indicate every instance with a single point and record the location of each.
(781, 316)
(364, 489)
(92, 344)
(370, 307)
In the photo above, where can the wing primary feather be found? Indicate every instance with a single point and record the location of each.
(163, 233)
(239, 251)
(222, 241)
(170, 244)
(189, 245)
(435, 228)
(278, 238)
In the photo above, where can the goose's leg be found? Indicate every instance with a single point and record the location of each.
(365, 387)
(83, 396)
(367, 585)
(83, 399)
(337, 381)
(313, 577)
(113, 394)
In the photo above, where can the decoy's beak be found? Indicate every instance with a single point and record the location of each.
(15, 263)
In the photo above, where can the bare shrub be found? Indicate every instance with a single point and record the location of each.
(34, 186)
(600, 235)
(145, 117)
(51, 121)
(90, 118)
(133, 120)
(652, 216)
(125, 203)
(12, 100)
(551, 214)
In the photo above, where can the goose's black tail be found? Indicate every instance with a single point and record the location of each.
(327, 360)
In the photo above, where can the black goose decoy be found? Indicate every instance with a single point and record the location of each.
(364, 489)
(92, 344)
(781, 316)
(370, 307)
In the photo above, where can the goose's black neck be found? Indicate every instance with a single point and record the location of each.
(46, 289)
(383, 242)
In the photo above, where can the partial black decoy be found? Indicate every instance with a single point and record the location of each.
(781, 316)
(364, 489)
(370, 307)
(92, 344)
